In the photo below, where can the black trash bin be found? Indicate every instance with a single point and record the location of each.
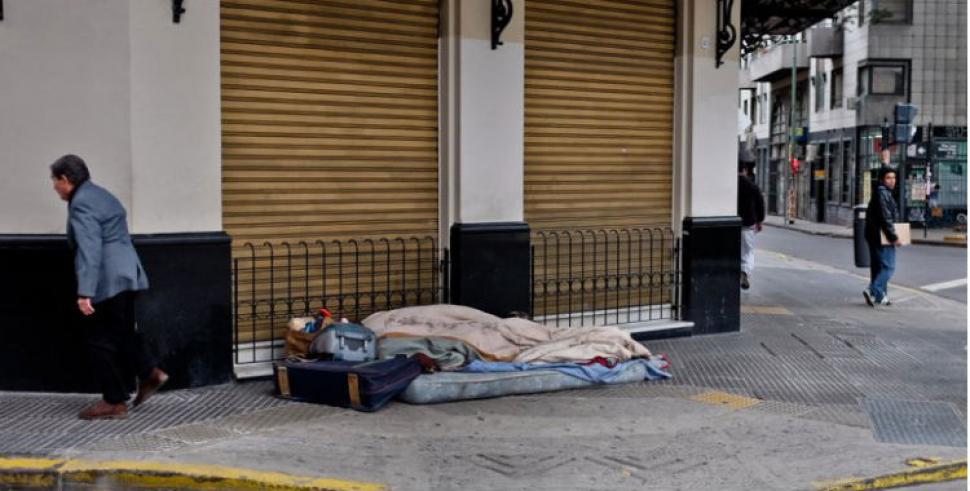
(859, 236)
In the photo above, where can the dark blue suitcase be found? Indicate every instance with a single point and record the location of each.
(364, 386)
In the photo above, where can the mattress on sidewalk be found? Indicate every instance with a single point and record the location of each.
(456, 386)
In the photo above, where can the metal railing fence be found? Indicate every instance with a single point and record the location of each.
(586, 277)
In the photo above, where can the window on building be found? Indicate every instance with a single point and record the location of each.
(745, 106)
(819, 84)
(883, 79)
(833, 155)
(846, 172)
(836, 89)
(890, 12)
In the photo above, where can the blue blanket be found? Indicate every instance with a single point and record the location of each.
(595, 372)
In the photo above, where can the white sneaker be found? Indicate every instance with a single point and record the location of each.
(868, 295)
(885, 301)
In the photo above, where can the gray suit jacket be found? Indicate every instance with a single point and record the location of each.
(105, 259)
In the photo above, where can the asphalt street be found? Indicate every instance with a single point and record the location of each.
(936, 269)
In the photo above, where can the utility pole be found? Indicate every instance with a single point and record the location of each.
(790, 199)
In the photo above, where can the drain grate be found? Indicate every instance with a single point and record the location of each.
(916, 422)
(134, 443)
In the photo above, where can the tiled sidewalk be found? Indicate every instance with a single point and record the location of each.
(934, 236)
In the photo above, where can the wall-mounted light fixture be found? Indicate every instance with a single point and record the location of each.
(501, 17)
(177, 11)
(726, 33)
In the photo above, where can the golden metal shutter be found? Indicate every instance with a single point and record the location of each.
(329, 118)
(329, 131)
(599, 93)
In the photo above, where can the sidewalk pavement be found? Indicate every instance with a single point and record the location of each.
(934, 236)
(815, 388)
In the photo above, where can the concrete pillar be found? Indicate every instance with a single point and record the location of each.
(482, 114)
(705, 170)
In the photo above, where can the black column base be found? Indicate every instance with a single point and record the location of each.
(711, 264)
(490, 266)
(185, 317)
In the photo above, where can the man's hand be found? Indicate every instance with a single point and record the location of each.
(84, 305)
(757, 227)
(898, 243)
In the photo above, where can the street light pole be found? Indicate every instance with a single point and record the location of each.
(790, 201)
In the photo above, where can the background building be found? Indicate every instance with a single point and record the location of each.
(852, 69)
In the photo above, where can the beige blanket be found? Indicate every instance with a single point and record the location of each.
(512, 339)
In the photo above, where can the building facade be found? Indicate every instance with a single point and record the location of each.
(279, 155)
(852, 69)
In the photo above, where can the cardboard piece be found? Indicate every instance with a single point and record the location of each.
(902, 231)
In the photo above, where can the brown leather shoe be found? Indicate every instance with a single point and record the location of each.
(105, 410)
(150, 386)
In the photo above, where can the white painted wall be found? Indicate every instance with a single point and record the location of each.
(119, 84)
(706, 140)
(175, 118)
(483, 116)
(64, 74)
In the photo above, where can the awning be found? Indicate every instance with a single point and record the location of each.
(762, 18)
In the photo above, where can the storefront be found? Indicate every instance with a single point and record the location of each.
(279, 155)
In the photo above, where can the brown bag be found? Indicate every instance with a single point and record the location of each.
(297, 341)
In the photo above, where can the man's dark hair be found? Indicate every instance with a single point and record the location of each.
(884, 171)
(71, 167)
(746, 160)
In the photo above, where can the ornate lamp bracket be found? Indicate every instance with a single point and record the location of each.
(501, 17)
(177, 11)
(727, 34)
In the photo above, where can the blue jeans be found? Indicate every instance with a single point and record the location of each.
(882, 265)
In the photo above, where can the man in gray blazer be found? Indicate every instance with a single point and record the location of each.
(109, 274)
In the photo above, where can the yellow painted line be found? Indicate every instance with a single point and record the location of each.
(719, 398)
(923, 461)
(766, 310)
(29, 464)
(937, 473)
(44, 472)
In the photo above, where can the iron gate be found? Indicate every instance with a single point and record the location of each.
(274, 282)
(586, 277)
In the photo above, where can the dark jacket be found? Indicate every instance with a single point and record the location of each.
(880, 216)
(105, 260)
(751, 203)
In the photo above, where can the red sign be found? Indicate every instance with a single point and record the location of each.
(795, 165)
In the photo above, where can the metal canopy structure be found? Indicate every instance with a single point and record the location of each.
(763, 18)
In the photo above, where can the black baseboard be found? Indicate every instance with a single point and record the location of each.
(711, 294)
(185, 317)
(490, 266)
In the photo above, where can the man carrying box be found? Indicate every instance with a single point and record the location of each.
(880, 218)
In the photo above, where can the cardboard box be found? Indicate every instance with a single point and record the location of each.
(902, 231)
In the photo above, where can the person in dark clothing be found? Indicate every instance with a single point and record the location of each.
(751, 209)
(109, 274)
(880, 216)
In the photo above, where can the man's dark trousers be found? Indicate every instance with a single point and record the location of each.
(115, 349)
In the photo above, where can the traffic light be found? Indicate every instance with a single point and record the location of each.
(904, 115)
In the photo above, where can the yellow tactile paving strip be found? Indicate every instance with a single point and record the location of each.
(765, 310)
(719, 398)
